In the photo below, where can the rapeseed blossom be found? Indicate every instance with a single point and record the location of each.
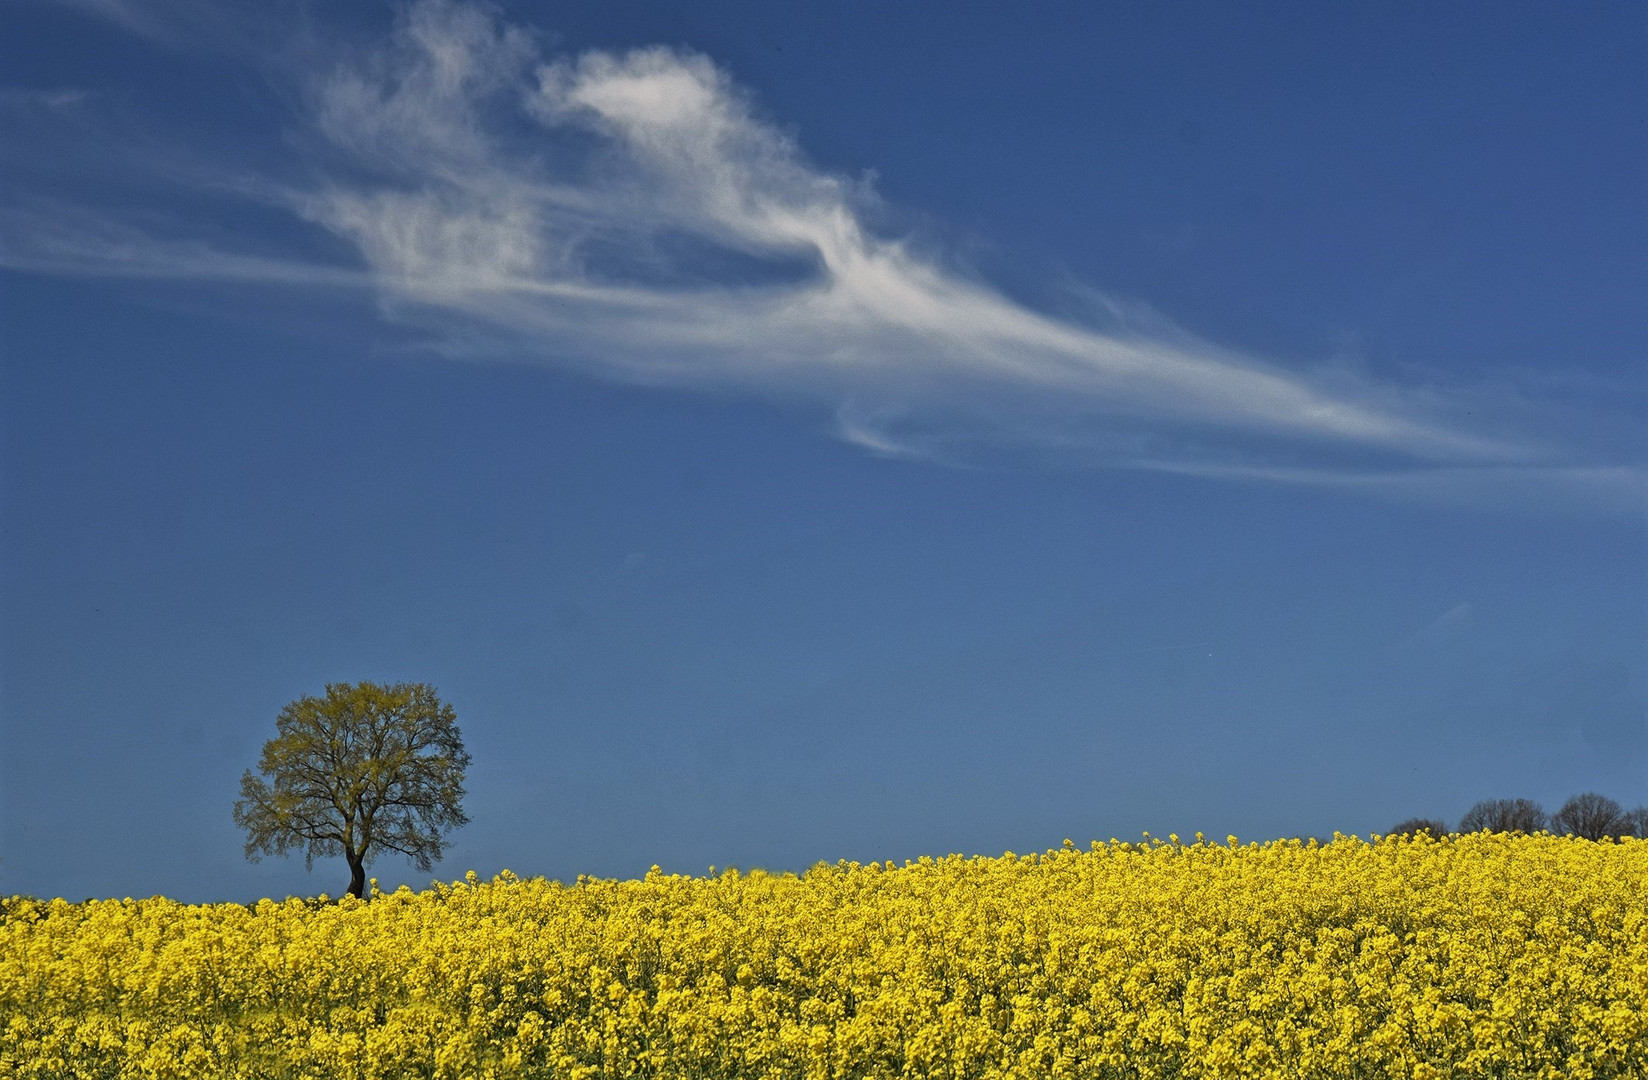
(1470, 956)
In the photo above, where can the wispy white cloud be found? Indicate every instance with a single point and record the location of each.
(635, 215)
(50, 100)
(177, 24)
(132, 16)
(64, 239)
(1538, 487)
(1446, 627)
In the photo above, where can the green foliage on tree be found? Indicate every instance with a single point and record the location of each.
(363, 770)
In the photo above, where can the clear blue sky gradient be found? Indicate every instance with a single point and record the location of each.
(741, 586)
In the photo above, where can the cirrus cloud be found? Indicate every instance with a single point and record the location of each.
(634, 215)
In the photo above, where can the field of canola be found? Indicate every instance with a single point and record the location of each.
(1475, 956)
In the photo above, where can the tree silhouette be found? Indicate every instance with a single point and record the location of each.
(1503, 815)
(363, 770)
(1594, 817)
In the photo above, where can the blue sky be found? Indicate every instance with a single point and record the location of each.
(791, 433)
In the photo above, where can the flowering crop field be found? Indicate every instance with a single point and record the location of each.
(1474, 956)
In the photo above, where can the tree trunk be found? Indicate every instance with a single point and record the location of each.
(357, 876)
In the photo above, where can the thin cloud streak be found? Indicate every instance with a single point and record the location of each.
(181, 25)
(1550, 488)
(633, 215)
(65, 240)
(51, 100)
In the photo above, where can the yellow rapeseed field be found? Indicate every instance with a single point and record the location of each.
(1473, 956)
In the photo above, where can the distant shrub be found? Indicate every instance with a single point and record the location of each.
(1435, 828)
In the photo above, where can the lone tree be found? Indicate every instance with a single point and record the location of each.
(364, 770)
(1594, 817)
(1503, 815)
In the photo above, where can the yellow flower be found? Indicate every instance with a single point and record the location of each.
(1465, 956)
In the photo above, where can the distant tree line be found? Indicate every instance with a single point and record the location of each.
(1590, 816)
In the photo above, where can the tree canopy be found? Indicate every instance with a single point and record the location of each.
(1594, 817)
(363, 770)
(1504, 815)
